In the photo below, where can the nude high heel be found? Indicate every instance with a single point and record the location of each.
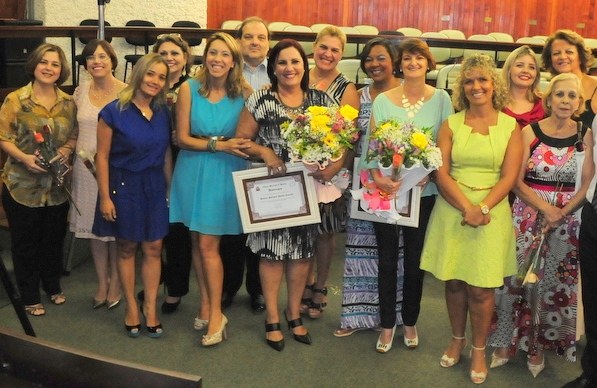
(535, 369)
(497, 361)
(478, 377)
(448, 362)
(218, 336)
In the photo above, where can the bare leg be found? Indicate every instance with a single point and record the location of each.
(456, 301)
(198, 265)
(296, 278)
(126, 273)
(150, 273)
(213, 273)
(100, 255)
(481, 304)
(271, 273)
(114, 292)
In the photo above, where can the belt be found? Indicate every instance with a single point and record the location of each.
(475, 188)
(219, 138)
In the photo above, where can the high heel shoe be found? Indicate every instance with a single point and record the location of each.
(497, 361)
(384, 348)
(113, 304)
(169, 308)
(448, 362)
(412, 343)
(306, 302)
(132, 331)
(302, 338)
(316, 309)
(535, 369)
(98, 303)
(152, 331)
(218, 336)
(199, 323)
(478, 377)
(277, 345)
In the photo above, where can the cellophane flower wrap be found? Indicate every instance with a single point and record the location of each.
(404, 152)
(318, 137)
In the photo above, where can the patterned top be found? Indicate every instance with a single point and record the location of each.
(270, 113)
(337, 88)
(20, 115)
(364, 118)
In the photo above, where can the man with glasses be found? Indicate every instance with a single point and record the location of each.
(253, 37)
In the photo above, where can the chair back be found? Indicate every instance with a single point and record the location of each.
(189, 24)
(144, 40)
(307, 45)
(410, 31)
(92, 22)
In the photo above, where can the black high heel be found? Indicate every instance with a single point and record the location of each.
(152, 331)
(133, 331)
(302, 338)
(277, 345)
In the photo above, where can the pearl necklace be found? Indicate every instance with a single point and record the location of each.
(412, 109)
(100, 95)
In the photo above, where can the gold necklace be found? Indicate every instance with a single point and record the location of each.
(96, 94)
(412, 109)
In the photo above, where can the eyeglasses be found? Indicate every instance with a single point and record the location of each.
(99, 58)
(174, 36)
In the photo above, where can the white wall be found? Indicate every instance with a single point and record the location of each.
(117, 12)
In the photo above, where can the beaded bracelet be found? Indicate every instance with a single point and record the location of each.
(211, 145)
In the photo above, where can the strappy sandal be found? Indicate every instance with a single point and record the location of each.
(58, 299)
(36, 310)
(316, 309)
(306, 302)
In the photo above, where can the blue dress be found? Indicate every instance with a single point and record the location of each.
(136, 174)
(202, 195)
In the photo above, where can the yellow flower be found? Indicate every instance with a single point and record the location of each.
(419, 140)
(349, 113)
(319, 121)
(317, 110)
(330, 140)
(386, 126)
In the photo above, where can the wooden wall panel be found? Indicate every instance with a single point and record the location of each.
(511, 16)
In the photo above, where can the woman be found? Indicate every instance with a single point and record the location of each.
(425, 106)
(287, 249)
(133, 173)
(469, 242)
(177, 54)
(36, 205)
(565, 52)
(327, 52)
(91, 97)
(546, 202)
(521, 75)
(359, 292)
(202, 196)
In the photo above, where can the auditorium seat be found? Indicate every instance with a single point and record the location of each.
(350, 68)
(440, 54)
(79, 58)
(480, 37)
(502, 37)
(230, 24)
(144, 40)
(193, 42)
(307, 45)
(367, 29)
(410, 31)
(455, 53)
(351, 50)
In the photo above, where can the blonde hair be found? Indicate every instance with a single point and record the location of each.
(549, 91)
(139, 70)
(513, 57)
(235, 82)
(332, 31)
(486, 64)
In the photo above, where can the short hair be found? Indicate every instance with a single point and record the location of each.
(379, 41)
(176, 39)
(93, 44)
(512, 58)
(139, 70)
(549, 91)
(252, 19)
(414, 46)
(235, 81)
(483, 63)
(36, 56)
(584, 53)
(331, 31)
(273, 58)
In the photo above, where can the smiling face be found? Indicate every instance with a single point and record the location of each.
(478, 87)
(378, 64)
(48, 69)
(523, 72)
(564, 57)
(154, 80)
(219, 59)
(99, 64)
(254, 43)
(175, 58)
(327, 52)
(413, 65)
(289, 68)
(564, 99)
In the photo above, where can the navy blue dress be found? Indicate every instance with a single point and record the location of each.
(136, 174)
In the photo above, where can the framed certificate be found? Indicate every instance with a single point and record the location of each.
(272, 202)
(409, 213)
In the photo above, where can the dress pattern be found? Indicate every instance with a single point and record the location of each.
(84, 185)
(269, 113)
(202, 196)
(360, 296)
(551, 174)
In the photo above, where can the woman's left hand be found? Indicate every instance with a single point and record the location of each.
(472, 216)
(235, 146)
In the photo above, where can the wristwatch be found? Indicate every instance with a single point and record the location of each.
(484, 208)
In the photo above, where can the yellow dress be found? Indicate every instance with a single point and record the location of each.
(480, 256)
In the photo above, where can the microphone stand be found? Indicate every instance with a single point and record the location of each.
(101, 32)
